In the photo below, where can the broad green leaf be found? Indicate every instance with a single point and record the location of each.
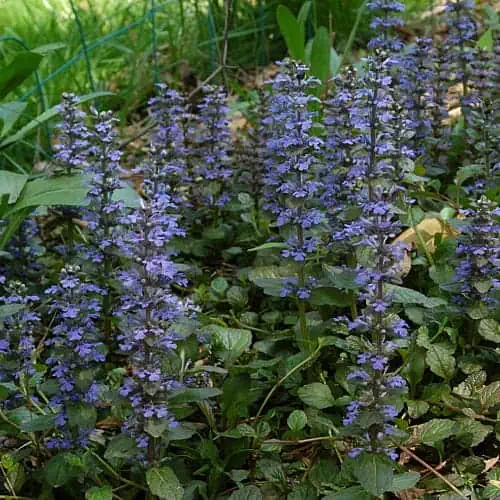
(335, 62)
(303, 14)
(163, 483)
(269, 245)
(120, 446)
(470, 432)
(10, 112)
(417, 408)
(81, 416)
(323, 296)
(247, 493)
(490, 330)
(12, 184)
(10, 309)
(193, 395)
(47, 115)
(341, 277)
(302, 492)
(486, 40)
(61, 469)
(320, 54)
(434, 431)
(490, 395)
(402, 295)
(23, 65)
(292, 31)
(405, 481)
(154, 427)
(39, 423)
(440, 361)
(230, 343)
(102, 493)
(352, 493)
(297, 420)
(374, 473)
(219, 286)
(316, 395)
(69, 190)
(270, 278)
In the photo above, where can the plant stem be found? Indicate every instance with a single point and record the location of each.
(285, 377)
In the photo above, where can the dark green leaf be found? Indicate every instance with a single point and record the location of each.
(403, 295)
(230, 343)
(39, 423)
(193, 395)
(405, 481)
(163, 483)
(103, 493)
(60, 469)
(23, 65)
(12, 184)
(434, 431)
(293, 32)
(10, 112)
(247, 493)
(120, 446)
(316, 395)
(440, 361)
(352, 493)
(297, 420)
(490, 330)
(374, 473)
(320, 55)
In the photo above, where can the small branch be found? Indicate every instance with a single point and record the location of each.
(431, 469)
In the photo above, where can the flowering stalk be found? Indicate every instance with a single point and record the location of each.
(292, 179)
(378, 120)
(76, 352)
(103, 214)
(148, 309)
(462, 31)
(71, 151)
(212, 147)
(386, 22)
(169, 112)
(17, 337)
(478, 251)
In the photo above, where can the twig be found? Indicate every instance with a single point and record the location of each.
(431, 469)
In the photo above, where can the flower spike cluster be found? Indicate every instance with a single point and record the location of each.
(75, 346)
(148, 307)
(386, 22)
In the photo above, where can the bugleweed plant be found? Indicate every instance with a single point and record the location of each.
(304, 308)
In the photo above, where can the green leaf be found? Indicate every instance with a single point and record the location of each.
(352, 493)
(440, 361)
(405, 481)
(486, 40)
(417, 408)
(12, 184)
(193, 395)
(23, 65)
(434, 431)
(270, 278)
(61, 469)
(247, 493)
(470, 432)
(219, 286)
(10, 112)
(39, 423)
(103, 493)
(47, 115)
(10, 309)
(230, 343)
(402, 295)
(323, 296)
(490, 395)
(292, 31)
(320, 55)
(163, 483)
(81, 416)
(69, 190)
(374, 473)
(340, 277)
(297, 420)
(269, 245)
(303, 14)
(335, 62)
(490, 330)
(120, 446)
(316, 395)
(48, 47)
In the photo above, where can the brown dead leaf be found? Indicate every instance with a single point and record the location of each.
(490, 463)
